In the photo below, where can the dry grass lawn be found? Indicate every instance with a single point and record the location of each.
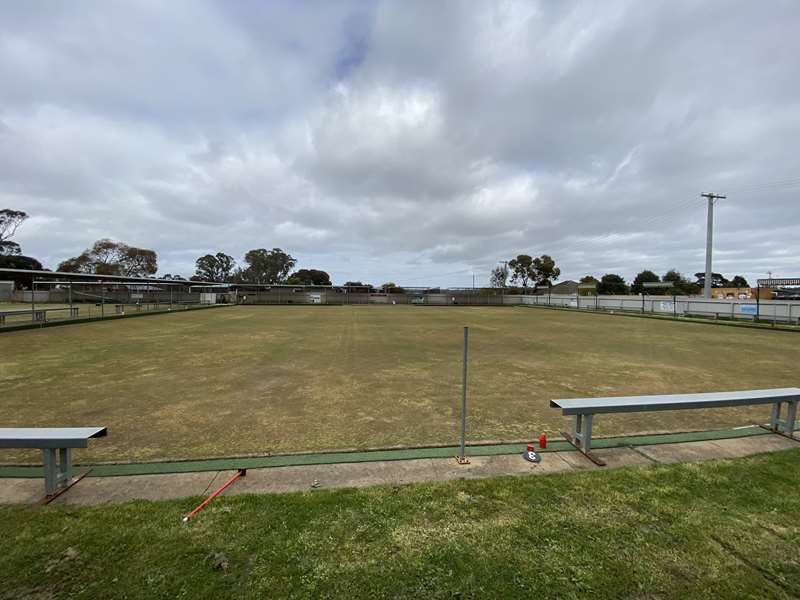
(241, 380)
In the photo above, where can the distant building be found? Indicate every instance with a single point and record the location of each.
(785, 294)
(564, 287)
(741, 293)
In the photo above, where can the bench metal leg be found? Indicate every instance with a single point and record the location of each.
(581, 437)
(57, 469)
(582, 432)
(785, 426)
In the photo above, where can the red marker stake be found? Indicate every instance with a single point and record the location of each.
(204, 503)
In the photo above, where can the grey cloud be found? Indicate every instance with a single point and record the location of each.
(413, 141)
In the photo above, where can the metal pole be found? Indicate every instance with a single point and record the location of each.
(709, 235)
(102, 300)
(758, 301)
(462, 459)
(33, 299)
(709, 239)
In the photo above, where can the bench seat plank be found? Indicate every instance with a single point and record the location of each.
(49, 437)
(574, 406)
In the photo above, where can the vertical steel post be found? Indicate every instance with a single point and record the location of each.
(50, 471)
(462, 456)
(709, 246)
(102, 300)
(709, 240)
(758, 301)
(33, 299)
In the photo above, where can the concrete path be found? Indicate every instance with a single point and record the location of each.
(98, 490)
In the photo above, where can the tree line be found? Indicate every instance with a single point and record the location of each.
(614, 284)
(275, 266)
(525, 270)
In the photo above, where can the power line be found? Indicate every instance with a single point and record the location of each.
(593, 241)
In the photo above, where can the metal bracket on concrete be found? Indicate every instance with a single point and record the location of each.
(783, 426)
(57, 469)
(588, 454)
(64, 488)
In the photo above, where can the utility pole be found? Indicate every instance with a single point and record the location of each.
(709, 239)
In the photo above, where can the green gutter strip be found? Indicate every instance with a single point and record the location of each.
(330, 458)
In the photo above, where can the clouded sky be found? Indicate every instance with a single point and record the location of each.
(419, 142)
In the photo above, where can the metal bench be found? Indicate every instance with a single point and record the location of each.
(582, 410)
(39, 315)
(52, 440)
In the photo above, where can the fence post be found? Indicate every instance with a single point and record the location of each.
(462, 458)
(33, 299)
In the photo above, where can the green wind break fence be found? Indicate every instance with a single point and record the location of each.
(330, 458)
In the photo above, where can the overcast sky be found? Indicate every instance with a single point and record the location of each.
(419, 142)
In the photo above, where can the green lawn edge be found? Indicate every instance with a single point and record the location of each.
(715, 529)
(329, 458)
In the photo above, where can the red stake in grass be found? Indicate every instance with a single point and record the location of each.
(204, 503)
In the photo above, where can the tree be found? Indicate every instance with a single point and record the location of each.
(680, 284)
(645, 276)
(499, 276)
(717, 280)
(392, 288)
(214, 267)
(137, 262)
(586, 280)
(545, 270)
(78, 264)
(541, 270)
(522, 269)
(17, 261)
(309, 277)
(9, 248)
(359, 287)
(10, 220)
(611, 283)
(107, 257)
(267, 266)
(739, 282)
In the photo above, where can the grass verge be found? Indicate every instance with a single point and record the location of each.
(719, 529)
